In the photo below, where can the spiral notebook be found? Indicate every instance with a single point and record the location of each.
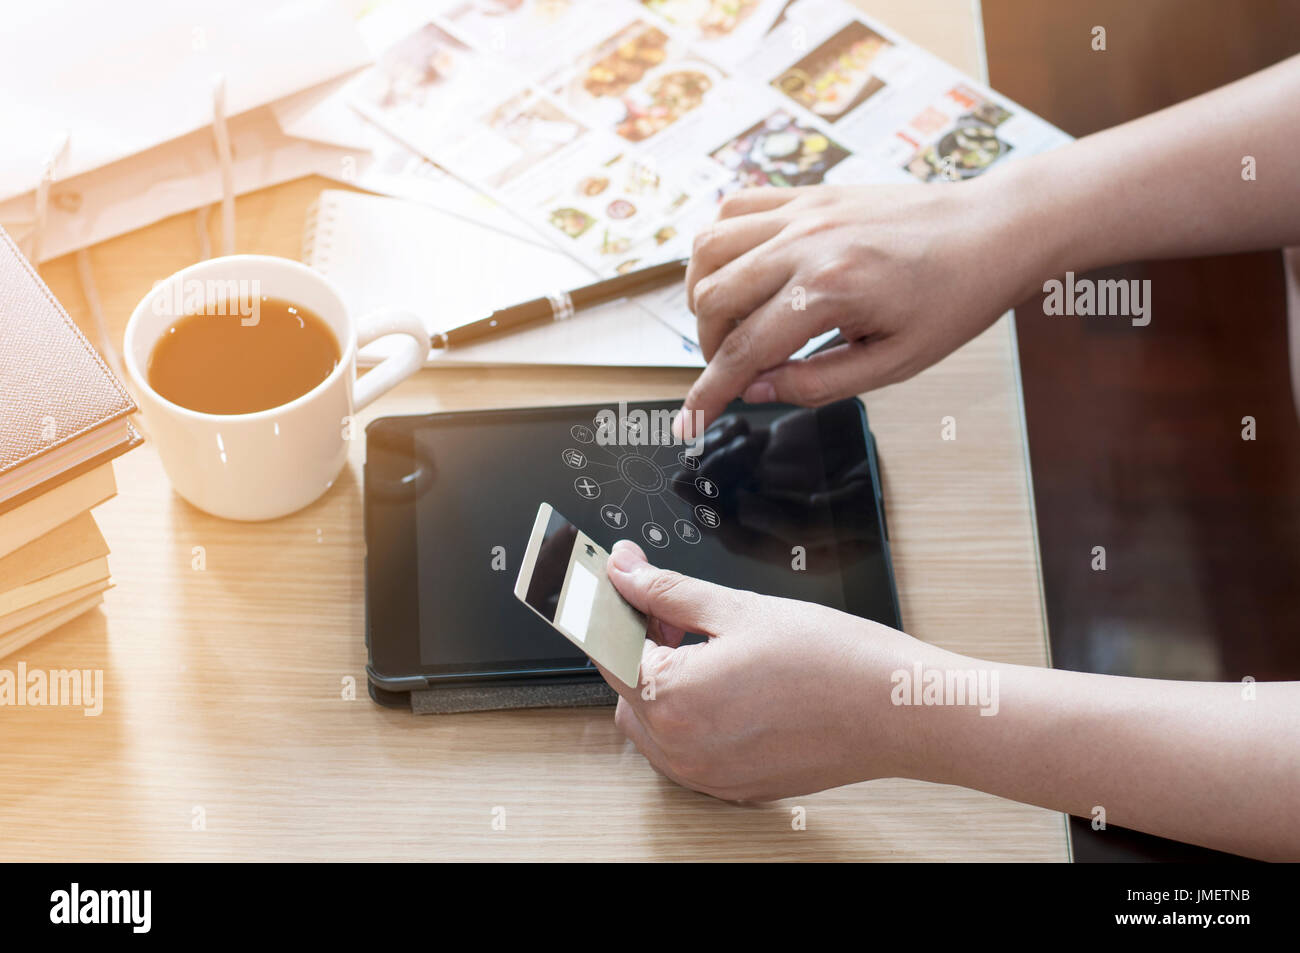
(390, 253)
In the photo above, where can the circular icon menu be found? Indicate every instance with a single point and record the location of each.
(656, 486)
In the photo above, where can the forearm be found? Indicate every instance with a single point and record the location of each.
(1166, 185)
(1195, 761)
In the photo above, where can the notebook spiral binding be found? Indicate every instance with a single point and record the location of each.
(318, 234)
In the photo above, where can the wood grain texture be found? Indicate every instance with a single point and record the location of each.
(223, 686)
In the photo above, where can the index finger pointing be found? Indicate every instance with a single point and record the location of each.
(760, 342)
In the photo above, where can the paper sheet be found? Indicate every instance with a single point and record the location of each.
(117, 82)
(615, 128)
(388, 253)
(178, 176)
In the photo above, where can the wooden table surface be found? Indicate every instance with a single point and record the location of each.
(225, 687)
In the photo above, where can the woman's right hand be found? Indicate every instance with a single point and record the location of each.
(907, 273)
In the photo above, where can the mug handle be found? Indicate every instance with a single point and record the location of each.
(392, 370)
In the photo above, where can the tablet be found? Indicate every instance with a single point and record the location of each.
(776, 499)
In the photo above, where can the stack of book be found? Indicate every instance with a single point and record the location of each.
(63, 418)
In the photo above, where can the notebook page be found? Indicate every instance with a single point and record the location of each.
(388, 253)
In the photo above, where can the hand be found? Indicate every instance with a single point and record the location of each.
(907, 273)
(784, 698)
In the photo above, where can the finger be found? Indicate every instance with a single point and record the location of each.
(756, 199)
(661, 633)
(724, 241)
(651, 656)
(763, 341)
(629, 722)
(657, 631)
(660, 668)
(842, 371)
(735, 291)
(675, 600)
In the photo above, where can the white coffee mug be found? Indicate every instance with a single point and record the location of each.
(266, 464)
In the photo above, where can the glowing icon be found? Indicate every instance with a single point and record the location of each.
(575, 459)
(582, 434)
(707, 487)
(613, 516)
(587, 488)
(655, 534)
(690, 461)
(687, 531)
(708, 516)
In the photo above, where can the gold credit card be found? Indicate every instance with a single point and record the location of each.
(563, 580)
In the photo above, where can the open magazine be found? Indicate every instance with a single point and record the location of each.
(614, 128)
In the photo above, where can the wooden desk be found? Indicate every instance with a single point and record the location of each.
(224, 686)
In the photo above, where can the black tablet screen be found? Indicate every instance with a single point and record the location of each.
(776, 499)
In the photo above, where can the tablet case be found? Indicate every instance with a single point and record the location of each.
(501, 695)
(559, 692)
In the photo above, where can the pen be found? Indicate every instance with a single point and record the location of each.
(560, 305)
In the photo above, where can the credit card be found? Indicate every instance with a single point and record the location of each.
(563, 580)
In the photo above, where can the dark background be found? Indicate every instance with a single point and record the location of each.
(1135, 433)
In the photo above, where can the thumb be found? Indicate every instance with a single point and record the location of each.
(676, 601)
